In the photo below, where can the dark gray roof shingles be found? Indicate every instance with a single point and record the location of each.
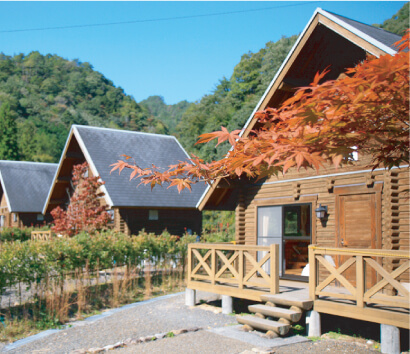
(105, 147)
(27, 184)
(379, 34)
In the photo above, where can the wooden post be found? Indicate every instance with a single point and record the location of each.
(240, 269)
(312, 274)
(359, 281)
(274, 268)
(213, 265)
(189, 262)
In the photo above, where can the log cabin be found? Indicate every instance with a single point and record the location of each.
(344, 232)
(132, 208)
(23, 190)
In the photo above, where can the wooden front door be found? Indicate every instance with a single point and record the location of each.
(358, 223)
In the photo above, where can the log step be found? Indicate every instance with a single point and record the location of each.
(277, 312)
(263, 324)
(287, 301)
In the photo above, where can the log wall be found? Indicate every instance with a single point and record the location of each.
(323, 189)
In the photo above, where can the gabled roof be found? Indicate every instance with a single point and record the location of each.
(26, 184)
(102, 147)
(367, 38)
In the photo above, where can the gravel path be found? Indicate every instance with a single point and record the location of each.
(217, 333)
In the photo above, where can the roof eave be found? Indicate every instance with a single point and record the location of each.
(90, 162)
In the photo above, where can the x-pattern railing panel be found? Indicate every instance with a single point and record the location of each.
(364, 262)
(234, 266)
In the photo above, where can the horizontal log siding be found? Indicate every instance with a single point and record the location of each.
(176, 221)
(394, 206)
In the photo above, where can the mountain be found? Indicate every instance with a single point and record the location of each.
(45, 94)
(170, 115)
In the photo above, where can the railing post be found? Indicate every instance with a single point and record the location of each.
(189, 262)
(359, 281)
(240, 269)
(213, 266)
(274, 268)
(312, 273)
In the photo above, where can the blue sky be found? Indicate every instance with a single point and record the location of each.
(177, 59)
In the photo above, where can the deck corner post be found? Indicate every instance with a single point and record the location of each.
(390, 339)
(313, 324)
(227, 304)
(190, 297)
(274, 268)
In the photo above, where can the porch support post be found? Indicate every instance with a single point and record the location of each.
(390, 339)
(313, 324)
(227, 304)
(190, 297)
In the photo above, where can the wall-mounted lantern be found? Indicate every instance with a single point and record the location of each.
(321, 212)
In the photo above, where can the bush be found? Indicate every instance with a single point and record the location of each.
(29, 262)
(17, 234)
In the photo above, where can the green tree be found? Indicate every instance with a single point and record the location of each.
(8, 137)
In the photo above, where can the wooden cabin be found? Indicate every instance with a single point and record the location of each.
(358, 252)
(132, 208)
(23, 190)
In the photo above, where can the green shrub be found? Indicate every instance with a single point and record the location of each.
(30, 261)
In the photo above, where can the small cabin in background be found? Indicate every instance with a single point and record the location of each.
(132, 208)
(24, 187)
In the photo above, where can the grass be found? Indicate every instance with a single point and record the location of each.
(57, 303)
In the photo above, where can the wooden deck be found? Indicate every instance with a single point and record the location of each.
(359, 288)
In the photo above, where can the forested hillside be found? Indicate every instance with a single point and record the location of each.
(44, 95)
(170, 115)
(399, 22)
(233, 99)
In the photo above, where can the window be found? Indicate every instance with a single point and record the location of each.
(153, 215)
(111, 214)
(14, 217)
(40, 217)
(2, 220)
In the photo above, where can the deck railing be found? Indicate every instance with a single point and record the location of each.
(235, 270)
(360, 287)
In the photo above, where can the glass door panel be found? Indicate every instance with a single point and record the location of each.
(269, 231)
(296, 239)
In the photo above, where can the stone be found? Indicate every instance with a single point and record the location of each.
(118, 344)
(271, 335)
(313, 324)
(179, 331)
(79, 351)
(390, 339)
(227, 304)
(108, 347)
(160, 335)
(134, 341)
(95, 350)
(190, 297)
(194, 329)
(128, 341)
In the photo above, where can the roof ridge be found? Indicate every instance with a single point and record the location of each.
(123, 131)
(30, 162)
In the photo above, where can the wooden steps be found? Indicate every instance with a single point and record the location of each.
(285, 301)
(277, 312)
(264, 324)
(275, 308)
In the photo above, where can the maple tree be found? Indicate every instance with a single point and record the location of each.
(84, 213)
(366, 110)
